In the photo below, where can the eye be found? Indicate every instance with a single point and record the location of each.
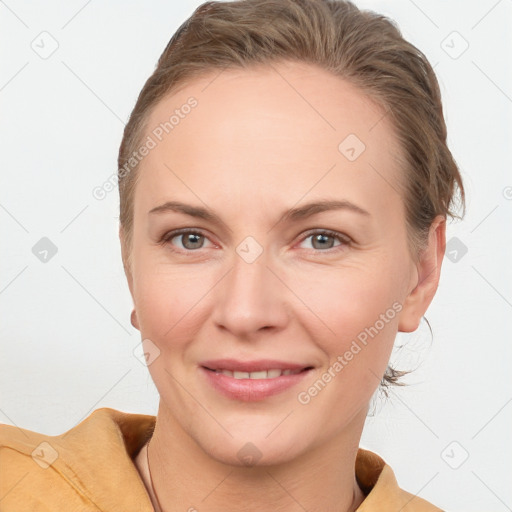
(325, 239)
(189, 239)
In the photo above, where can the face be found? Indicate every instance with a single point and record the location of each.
(295, 258)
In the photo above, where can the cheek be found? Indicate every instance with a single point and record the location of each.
(170, 313)
(355, 318)
(348, 300)
(363, 314)
(173, 303)
(168, 304)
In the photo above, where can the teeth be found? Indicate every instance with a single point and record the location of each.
(262, 374)
(259, 375)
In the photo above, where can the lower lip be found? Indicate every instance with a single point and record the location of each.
(251, 390)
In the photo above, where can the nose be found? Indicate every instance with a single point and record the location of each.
(251, 298)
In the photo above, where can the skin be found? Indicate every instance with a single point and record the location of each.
(261, 142)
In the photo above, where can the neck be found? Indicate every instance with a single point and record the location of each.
(186, 478)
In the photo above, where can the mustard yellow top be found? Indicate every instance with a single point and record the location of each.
(91, 468)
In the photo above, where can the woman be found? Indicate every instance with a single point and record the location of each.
(284, 186)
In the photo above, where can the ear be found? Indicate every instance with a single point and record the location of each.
(124, 255)
(429, 270)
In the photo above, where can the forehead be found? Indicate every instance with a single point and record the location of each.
(277, 127)
(303, 94)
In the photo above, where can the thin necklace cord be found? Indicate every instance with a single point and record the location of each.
(160, 509)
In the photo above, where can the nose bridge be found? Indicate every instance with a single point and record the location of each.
(251, 297)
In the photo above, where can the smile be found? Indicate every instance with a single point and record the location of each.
(250, 381)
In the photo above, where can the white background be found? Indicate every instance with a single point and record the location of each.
(65, 337)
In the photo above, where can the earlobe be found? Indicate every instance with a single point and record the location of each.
(428, 273)
(133, 319)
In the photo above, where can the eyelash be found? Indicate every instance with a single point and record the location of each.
(343, 239)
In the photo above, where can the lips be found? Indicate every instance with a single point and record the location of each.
(252, 380)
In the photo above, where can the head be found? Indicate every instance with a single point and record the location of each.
(247, 122)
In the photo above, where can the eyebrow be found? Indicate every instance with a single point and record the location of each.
(293, 214)
(315, 207)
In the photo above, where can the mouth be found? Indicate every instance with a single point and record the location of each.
(251, 381)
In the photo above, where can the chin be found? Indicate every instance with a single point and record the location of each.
(249, 454)
(251, 448)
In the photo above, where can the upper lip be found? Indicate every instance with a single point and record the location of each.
(252, 366)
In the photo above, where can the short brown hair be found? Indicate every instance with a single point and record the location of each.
(362, 47)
